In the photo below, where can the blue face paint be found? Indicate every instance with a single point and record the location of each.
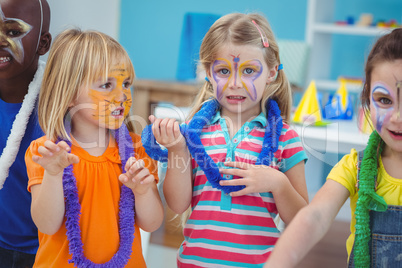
(382, 110)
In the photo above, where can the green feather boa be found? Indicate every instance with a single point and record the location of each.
(368, 200)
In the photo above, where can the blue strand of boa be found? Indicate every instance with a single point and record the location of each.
(192, 131)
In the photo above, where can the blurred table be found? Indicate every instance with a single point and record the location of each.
(338, 137)
(148, 93)
(325, 146)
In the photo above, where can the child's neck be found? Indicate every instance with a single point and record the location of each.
(234, 122)
(94, 143)
(14, 90)
(392, 162)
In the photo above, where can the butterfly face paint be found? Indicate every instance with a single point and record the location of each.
(383, 101)
(11, 33)
(398, 88)
(224, 70)
(113, 98)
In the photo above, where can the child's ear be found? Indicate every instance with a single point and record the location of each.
(272, 73)
(208, 75)
(44, 43)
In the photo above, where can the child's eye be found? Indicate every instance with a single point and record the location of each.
(224, 71)
(107, 85)
(248, 71)
(126, 85)
(385, 101)
(13, 33)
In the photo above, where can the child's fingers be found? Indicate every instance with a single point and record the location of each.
(51, 146)
(156, 128)
(239, 193)
(136, 167)
(234, 182)
(36, 159)
(152, 118)
(129, 163)
(148, 179)
(241, 165)
(163, 127)
(233, 171)
(73, 159)
(44, 151)
(63, 145)
(176, 129)
(123, 178)
(170, 126)
(140, 175)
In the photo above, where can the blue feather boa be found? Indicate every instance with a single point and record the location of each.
(192, 132)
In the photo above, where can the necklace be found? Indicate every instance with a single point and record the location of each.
(192, 135)
(126, 211)
(20, 123)
(368, 200)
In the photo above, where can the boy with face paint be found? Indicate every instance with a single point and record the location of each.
(24, 37)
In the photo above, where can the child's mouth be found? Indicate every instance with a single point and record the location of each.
(236, 97)
(118, 112)
(396, 134)
(4, 59)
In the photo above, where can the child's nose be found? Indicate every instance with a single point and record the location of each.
(120, 95)
(396, 114)
(235, 82)
(3, 41)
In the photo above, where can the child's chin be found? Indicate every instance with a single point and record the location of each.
(114, 125)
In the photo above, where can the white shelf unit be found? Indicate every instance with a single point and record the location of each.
(320, 27)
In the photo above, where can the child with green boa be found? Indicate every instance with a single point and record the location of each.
(371, 179)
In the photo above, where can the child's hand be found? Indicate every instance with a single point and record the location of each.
(54, 158)
(167, 133)
(137, 176)
(256, 178)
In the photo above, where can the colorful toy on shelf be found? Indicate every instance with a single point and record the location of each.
(388, 24)
(366, 19)
(365, 125)
(339, 105)
(309, 108)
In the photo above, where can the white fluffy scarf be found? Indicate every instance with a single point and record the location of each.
(20, 124)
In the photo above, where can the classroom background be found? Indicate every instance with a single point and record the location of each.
(325, 41)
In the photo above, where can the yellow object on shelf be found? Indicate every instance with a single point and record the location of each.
(343, 94)
(365, 124)
(309, 109)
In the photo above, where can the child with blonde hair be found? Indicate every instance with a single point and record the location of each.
(92, 184)
(371, 178)
(247, 165)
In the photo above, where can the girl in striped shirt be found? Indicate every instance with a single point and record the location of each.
(245, 164)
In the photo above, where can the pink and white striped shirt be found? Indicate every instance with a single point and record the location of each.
(225, 231)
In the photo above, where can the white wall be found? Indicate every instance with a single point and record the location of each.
(101, 15)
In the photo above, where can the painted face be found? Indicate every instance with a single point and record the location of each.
(246, 72)
(385, 102)
(112, 98)
(239, 76)
(11, 33)
(383, 98)
(20, 29)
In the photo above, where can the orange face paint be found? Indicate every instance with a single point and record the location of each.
(113, 98)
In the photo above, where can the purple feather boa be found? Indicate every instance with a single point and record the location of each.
(126, 211)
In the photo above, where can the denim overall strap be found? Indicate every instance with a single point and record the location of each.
(386, 237)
